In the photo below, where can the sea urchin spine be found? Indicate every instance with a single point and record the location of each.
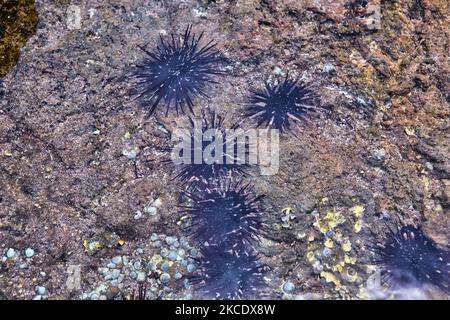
(278, 105)
(408, 258)
(226, 221)
(177, 71)
(209, 158)
(225, 214)
(230, 275)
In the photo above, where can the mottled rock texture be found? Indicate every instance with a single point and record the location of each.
(66, 116)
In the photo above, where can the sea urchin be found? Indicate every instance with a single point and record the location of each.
(230, 275)
(408, 258)
(177, 71)
(225, 215)
(277, 105)
(212, 151)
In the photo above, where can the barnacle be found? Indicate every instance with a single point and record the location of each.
(177, 71)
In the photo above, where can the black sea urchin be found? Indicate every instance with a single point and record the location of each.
(230, 275)
(408, 258)
(277, 105)
(202, 162)
(177, 71)
(225, 214)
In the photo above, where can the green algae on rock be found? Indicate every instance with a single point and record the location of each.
(18, 21)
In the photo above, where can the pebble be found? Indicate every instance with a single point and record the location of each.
(190, 268)
(40, 290)
(151, 266)
(165, 278)
(328, 67)
(379, 154)
(38, 297)
(10, 253)
(186, 284)
(184, 243)
(165, 267)
(164, 252)
(170, 240)
(326, 252)
(29, 253)
(133, 275)
(102, 270)
(23, 266)
(157, 203)
(115, 283)
(141, 276)
(140, 250)
(157, 244)
(111, 265)
(278, 71)
(288, 287)
(178, 275)
(117, 260)
(151, 210)
(137, 215)
(137, 265)
(154, 237)
(131, 155)
(115, 274)
(95, 296)
(173, 255)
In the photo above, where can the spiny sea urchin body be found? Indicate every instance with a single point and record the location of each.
(277, 106)
(230, 275)
(408, 258)
(177, 72)
(226, 215)
(213, 151)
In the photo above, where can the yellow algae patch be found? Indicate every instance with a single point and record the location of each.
(329, 277)
(329, 243)
(310, 256)
(347, 246)
(156, 259)
(358, 226)
(349, 260)
(329, 222)
(358, 211)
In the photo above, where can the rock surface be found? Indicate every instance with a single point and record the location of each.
(380, 148)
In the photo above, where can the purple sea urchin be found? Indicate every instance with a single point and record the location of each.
(225, 214)
(408, 258)
(177, 72)
(230, 275)
(228, 156)
(277, 105)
